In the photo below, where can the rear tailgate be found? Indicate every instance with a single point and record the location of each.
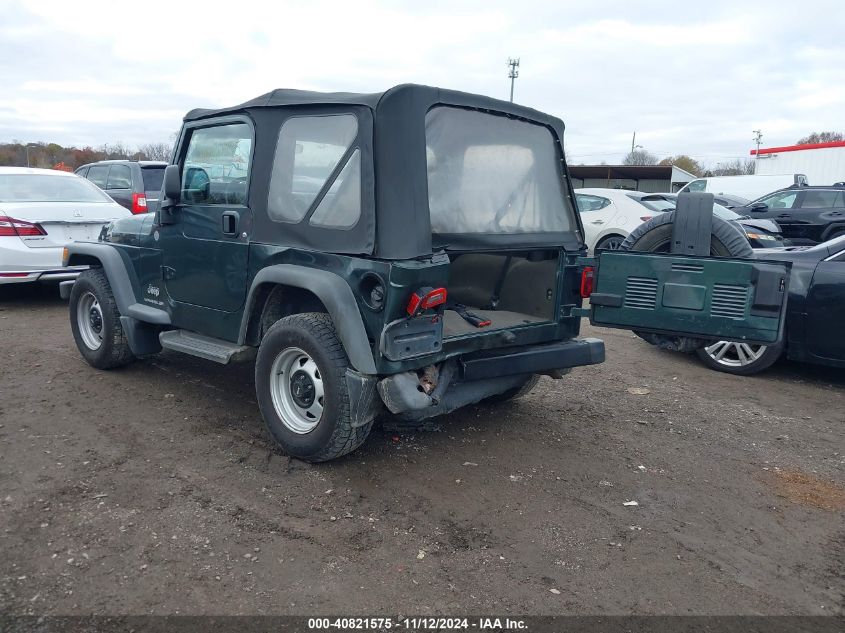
(705, 297)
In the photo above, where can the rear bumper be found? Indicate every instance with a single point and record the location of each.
(532, 359)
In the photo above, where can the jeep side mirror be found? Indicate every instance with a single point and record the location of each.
(759, 207)
(172, 192)
(172, 185)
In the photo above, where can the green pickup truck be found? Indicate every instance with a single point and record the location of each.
(407, 252)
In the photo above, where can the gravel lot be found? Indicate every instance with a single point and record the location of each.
(154, 489)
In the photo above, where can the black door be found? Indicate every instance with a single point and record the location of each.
(205, 249)
(826, 311)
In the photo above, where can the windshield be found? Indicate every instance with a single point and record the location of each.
(48, 188)
(491, 174)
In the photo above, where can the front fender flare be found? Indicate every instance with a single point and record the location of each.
(335, 294)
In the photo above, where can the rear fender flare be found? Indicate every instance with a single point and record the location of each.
(335, 294)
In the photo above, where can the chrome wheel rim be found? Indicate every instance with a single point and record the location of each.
(611, 243)
(89, 318)
(732, 354)
(296, 387)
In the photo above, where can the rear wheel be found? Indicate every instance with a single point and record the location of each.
(610, 243)
(300, 382)
(95, 322)
(741, 359)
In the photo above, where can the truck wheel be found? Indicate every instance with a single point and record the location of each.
(516, 392)
(95, 322)
(300, 382)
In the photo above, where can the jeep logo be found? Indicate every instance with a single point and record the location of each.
(153, 290)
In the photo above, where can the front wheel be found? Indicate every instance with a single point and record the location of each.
(95, 322)
(740, 359)
(300, 383)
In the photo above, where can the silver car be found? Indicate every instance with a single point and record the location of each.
(41, 210)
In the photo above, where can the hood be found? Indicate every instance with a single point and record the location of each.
(761, 224)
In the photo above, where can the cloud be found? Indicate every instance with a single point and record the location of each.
(688, 79)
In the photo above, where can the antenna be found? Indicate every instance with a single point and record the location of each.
(758, 137)
(513, 73)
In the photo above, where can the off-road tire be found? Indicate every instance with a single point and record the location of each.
(334, 436)
(114, 350)
(516, 392)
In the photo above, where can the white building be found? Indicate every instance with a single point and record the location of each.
(822, 163)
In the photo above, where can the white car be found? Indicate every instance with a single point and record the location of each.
(41, 210)
(609, 215)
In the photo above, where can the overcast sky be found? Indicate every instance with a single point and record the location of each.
(692, 78)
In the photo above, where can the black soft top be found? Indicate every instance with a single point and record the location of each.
(397, 224)
(407, 92)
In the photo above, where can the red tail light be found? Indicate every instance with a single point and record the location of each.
(426, 298)
(587, 282)
(139, 203)
(10, 227)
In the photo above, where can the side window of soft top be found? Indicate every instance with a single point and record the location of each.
(316, 158)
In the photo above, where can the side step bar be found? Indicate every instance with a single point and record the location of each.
(206, 347)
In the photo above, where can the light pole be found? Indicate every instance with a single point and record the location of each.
(513, 73)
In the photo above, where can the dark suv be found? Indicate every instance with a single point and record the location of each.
(135, 185)
(411, 251)
(806, 215)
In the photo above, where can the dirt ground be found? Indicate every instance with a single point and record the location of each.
(154, 489)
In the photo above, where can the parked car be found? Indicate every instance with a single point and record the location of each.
(761, 233)
(750, 187)
(40, 211)
(133, 184)
(730, 201)
(439, 263)
(609, 215)
(815, 314)
(807, 216)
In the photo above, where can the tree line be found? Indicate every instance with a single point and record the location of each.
(736, 167)
(50, 155)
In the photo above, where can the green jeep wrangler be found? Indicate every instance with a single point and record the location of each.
(415, 250)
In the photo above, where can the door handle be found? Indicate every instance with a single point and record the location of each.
(230, 222)
(597, 222)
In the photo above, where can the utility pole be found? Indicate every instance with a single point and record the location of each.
(513, 73)
(758, 137)
(633, 140)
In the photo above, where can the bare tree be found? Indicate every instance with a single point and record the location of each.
(821, 137)
(116, 150)
(640, 157)
(737, 167)
(155, 151)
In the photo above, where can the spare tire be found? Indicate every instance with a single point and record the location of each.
(727, 239)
